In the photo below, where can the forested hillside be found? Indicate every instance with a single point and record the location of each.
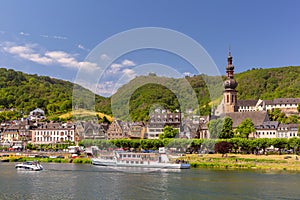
(265, 84)
(269, 83)
(145, 93)
(26, 92)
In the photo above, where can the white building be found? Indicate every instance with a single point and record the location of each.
(48, 133)
(267, 130)
(287, 130)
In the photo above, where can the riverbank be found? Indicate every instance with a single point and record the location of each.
(231, 161)
(241, 161)
(46, 160)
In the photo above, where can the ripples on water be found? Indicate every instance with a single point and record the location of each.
(76, 181)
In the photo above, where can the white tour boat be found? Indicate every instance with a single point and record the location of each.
(30, 166)
(144, 160)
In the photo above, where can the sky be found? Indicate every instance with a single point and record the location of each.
(75, 40)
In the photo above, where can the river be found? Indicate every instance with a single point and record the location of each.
(82, 181)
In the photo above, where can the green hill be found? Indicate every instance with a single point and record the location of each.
(165, 92)
(269, 83)
(143, 94)
(25, 92)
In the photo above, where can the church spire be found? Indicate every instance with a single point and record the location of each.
(229, 67)
(230, 94)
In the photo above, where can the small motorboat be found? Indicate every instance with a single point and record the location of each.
(30, 166)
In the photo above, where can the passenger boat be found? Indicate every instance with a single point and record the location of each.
(30, 166)
(144, 160)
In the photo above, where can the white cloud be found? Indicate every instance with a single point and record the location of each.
(187, 74)
(29, 52)
(17, 49)
(57, 37)
(24, 34)
(80, 46)
(119, 67)
(105, 57)
(60, 37)
(129, 72)
(107, 88)
(128, 63)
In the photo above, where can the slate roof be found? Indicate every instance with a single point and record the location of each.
(268, 125)
(286, 100)
(258, 118)
(293, 127)
(246, 102)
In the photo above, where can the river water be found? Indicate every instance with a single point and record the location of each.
(82, 181)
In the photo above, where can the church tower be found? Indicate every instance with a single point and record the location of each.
(230, 94)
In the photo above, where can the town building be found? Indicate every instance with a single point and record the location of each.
(287, 130)
(37, 115)
(137, 130)
(117, 130)
(267, 129)
(10, 134)
(48, 133)
(247, 105)
(289, 106)
(195, 127)
(91, 130)
(161, 118)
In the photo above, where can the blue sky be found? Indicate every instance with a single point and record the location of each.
(54, 38)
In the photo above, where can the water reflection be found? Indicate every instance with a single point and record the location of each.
(71, 181)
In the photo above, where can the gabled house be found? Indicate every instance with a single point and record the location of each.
(10, 133)
(137, 130)
(117, 130)
(91, 130)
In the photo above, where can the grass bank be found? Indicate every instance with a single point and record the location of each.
(240, 161)
(47, 160)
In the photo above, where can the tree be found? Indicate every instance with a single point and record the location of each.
(223, 147)
(215, 128)
(263, 143)
(245, 128)
(277, 115)
(168, 132)
(227, 129)
(292, 119)
(279, 143)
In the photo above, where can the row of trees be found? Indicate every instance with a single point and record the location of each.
(235, 145)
